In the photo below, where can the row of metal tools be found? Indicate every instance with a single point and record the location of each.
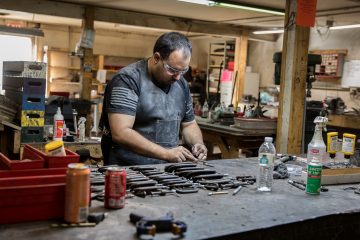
(175, 179)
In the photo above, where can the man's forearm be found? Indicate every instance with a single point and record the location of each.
(192, 134)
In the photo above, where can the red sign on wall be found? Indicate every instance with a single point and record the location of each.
(306, 13)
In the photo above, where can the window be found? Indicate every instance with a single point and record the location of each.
(14, 48)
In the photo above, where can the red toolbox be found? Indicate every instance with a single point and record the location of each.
(30, 195)
(30, 160)
(54, 161)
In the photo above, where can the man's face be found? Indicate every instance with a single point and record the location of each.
(168, 71)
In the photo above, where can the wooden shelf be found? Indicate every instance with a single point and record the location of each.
(214, 66)
(65, 67)
(217, 54)
(64, 82)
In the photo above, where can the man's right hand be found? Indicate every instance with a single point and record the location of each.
(179, 154)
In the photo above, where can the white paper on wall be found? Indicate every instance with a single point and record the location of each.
(351, 74)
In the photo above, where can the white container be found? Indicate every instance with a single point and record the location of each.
(58, 126)
(226, 87)
(317, 147)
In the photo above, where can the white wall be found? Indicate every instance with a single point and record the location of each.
(260, 58)
(260, 55)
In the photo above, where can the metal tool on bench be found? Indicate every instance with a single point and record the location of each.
(142, 168)
(173, 167)
(150, 226)
(163, 177)
(193, 173)
(159, 192)
(187, 169)
(142, 184)
(246, 178)
(302, 185)
(356, 189)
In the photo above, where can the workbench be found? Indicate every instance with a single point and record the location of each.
(284, 213)
(344, 121)
(231, 139)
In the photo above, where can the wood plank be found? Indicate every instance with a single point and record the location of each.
(281, 133)
(292, 85)
(17, 141)
(298, 91)
(344, 121)
(330, 51)
(341, 171)
(241, 45)
(87, 64)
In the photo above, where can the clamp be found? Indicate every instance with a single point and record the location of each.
(150, 226)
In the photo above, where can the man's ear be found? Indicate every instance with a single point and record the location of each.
(157, 57)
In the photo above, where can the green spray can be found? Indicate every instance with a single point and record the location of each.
(313, 182)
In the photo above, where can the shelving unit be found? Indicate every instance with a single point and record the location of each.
(112, 64)
(220, 54)
(332, 64)
(63, 73)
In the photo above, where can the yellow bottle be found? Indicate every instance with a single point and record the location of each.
(332, 142)
(348, 145)
(55, 148)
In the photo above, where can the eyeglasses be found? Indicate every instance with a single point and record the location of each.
(174, 71)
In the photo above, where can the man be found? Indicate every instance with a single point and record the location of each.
(146, 104)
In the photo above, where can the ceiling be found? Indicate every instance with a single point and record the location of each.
(340, 12)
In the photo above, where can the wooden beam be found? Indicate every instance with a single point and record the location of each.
(241, 45)
(87, 61)
(70, 10)
(292, 84)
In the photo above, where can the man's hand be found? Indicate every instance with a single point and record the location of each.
(179, 154)
(200, 151)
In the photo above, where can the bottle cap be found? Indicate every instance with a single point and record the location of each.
(332, 155)
(347, 156)
(268, 139)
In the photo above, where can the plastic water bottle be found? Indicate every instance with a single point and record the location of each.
(267, 154)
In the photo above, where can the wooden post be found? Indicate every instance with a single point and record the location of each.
(241, 45)
(87, 62)
(292, 83)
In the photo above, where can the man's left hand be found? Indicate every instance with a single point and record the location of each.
(200, 151)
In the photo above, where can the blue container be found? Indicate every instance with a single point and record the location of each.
(27, 101)
(33, 102)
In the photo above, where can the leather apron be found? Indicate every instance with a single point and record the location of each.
(158, 118)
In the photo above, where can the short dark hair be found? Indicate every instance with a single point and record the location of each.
(170, 42)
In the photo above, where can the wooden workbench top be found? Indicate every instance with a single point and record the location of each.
(284, 213)
(344, 121)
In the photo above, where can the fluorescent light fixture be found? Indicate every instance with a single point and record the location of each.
(249, 8)
(345, 26)
(269, 31)
(229, 4)
(281, 30)
(201, 2)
